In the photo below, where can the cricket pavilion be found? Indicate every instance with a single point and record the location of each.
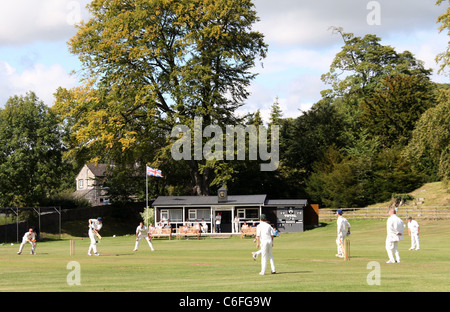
(287, 215)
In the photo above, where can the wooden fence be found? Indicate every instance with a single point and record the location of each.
(428, 213)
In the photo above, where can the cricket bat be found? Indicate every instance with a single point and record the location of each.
(98, 235)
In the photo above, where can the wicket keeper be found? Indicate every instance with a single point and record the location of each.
(94, 226)
(142, 232)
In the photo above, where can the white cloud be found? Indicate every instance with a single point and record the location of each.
(25, 21)
(306, 23)
(425, 45)
(302, 48)
(42, 79)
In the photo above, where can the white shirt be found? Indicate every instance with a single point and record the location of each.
(141, 230)
(95, 225)
(218, 219)
(265, 232)
(413, 226)
(394, 226)
(28, 236)
(342, 226)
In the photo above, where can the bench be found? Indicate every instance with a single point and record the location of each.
(158, 232)
(185, 232)
(248, 231)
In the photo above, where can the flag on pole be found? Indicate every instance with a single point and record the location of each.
(154, 172)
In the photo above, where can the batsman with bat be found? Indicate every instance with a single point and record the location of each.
(343, 230)
(94, 226)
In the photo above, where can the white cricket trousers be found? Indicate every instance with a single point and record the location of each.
(392, 249)
(138, 240)
(266, 253)
(93, 245)
(415, 241)
(33, 246)
(340, 244)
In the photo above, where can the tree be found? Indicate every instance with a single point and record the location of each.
(152, 64)
(430, 144)
(361, 179)
(363, 62)
(276, 114)
(31, 165)
(444, 20)
(310, 135)
(377, 96)
(391, 112)
(362, 69)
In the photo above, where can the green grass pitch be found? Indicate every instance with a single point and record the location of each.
(305, 262)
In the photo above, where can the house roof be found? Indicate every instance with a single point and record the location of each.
(98, 170)
(286, 202)
(234, 200)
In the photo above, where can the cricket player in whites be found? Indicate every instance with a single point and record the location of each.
(394, 227)
(264, 238)
(343, 230)
(413, 231)
(94, 226)
(29, 237)
(142, 232)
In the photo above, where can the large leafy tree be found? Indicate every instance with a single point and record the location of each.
(392, 111)
(150, 64)
(31, 164)
(429, 147)
(363, 62)
(378, 95)
(444, 57)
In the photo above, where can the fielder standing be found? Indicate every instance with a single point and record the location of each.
(264, 238)
(413, 231)
(94, 226)
(28, 237)
(343, 230)
(394, 227)
(142, 232)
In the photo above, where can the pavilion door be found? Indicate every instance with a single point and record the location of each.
(226, 221)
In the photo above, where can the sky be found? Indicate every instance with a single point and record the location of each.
(34, 54)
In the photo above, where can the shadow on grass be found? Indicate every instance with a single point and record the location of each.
(321, 225)
(297, 272)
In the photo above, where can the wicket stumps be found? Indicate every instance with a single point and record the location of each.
(347, 249)
(72, 247)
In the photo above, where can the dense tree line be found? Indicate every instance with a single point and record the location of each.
(382, 127)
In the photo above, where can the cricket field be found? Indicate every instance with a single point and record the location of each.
(305, 262)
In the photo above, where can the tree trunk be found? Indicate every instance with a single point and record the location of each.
(200, 181)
